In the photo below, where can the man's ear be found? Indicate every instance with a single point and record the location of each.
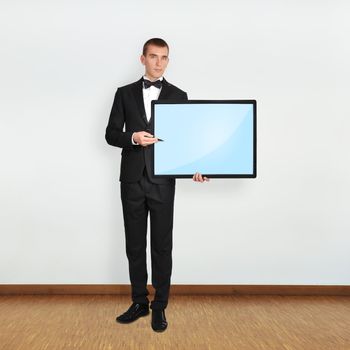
(142, 59)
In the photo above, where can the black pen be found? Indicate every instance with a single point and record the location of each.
(156, 138)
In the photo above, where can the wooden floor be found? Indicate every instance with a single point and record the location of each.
(195, 322)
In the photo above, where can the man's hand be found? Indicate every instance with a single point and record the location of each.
(199, 178)
(144, 138)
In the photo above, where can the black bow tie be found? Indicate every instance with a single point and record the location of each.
(148, 83)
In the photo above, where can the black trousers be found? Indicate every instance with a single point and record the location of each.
(139, 199)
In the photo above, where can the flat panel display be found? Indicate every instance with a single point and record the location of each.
(216, 138)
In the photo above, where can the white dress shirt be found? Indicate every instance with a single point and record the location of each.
(152, 93)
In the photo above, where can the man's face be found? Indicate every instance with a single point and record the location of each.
(155, 61)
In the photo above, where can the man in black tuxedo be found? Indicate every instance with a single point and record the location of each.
(140, 191)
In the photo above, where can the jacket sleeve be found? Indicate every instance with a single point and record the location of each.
(115, 136)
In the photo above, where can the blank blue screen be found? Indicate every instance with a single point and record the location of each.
(207, 138)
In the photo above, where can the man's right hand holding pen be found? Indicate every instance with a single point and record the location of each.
(144, 138)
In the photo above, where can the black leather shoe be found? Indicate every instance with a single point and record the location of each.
(135, 311)
(159, 323)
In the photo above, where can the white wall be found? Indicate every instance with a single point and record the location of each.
(60, 210)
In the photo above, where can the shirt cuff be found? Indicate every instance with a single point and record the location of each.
(132, 140)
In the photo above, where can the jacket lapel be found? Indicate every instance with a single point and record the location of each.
(137, 91)
(165, 90)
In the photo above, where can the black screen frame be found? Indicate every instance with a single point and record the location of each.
(177, 101)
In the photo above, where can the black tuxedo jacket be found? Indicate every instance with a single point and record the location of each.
(128, 110)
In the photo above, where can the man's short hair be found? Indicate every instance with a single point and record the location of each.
(154, 41)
